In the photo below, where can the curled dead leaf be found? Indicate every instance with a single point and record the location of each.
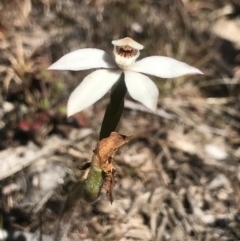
(102, 161)
(109, 184)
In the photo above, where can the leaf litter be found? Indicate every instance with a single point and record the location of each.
(169, 184)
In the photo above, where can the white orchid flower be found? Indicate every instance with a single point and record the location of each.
(140, 87)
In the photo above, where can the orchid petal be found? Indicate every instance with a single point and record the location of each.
(92, 88)
(163, 67)
(142, 89)
(84, 59)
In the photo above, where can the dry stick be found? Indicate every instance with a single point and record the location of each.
(68, 210)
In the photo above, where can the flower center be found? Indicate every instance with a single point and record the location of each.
(126, 51)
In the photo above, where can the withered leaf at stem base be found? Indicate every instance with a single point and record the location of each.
(105, 149)
(109, 184)
(103, 158)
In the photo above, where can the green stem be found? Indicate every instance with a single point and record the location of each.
(115, 108)
(93, 184)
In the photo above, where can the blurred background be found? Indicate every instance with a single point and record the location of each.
(179, 177)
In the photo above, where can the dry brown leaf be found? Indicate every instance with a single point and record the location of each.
(109, 184)
(103, 157)
(105, 149)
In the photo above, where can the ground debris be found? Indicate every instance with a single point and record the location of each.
(179, 177)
